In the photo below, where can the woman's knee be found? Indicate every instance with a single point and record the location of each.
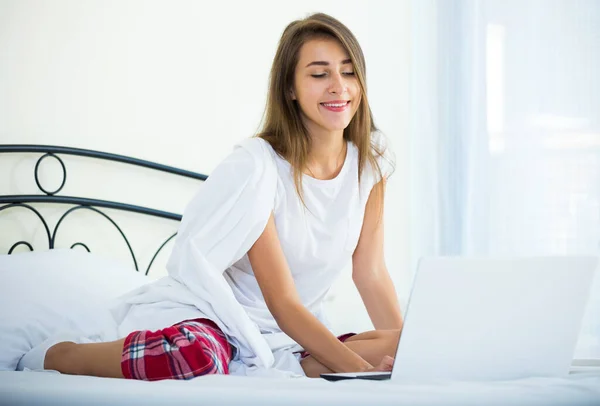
(389, 341)
(58, 355)
(95, 359)
(386, 340)
(392, 339)
(385, 335)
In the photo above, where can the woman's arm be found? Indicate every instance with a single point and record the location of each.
(369, 272)
(277, 286)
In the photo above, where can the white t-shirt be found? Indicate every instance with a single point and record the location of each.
(209, 275)
(318, 240)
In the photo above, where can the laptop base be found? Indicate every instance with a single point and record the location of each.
(373, 376)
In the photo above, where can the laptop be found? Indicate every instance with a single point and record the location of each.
(490, 319)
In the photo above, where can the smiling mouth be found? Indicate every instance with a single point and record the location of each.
(337, 105)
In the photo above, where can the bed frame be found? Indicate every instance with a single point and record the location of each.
(79, 203)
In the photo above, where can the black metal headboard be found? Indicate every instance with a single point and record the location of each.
(79, 203)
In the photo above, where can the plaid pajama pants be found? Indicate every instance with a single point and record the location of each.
(183, 351)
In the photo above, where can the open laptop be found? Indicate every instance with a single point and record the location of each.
(490, 319)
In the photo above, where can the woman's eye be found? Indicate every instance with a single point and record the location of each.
(322, 75)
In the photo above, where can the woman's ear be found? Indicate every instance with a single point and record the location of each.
(292, 94)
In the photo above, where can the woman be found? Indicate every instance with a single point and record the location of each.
(261, 244)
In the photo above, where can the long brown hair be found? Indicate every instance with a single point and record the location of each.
(282, 125)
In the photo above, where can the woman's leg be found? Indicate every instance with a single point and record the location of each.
(372, 346)
(96, 359)
(183, 351)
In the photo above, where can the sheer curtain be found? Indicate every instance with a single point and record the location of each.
(505, 132)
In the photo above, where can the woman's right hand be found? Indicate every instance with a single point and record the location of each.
(385, 365)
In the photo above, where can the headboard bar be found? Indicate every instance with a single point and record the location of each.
(88, 202)
(100, 155)
(81, 203)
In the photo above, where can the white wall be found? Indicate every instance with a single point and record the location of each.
(179, 83)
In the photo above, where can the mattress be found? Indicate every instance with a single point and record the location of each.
(48, 388)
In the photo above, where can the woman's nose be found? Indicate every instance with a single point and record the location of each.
(337, 84)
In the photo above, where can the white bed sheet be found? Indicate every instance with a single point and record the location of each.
(45, 388)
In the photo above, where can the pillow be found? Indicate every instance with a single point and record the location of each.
(41, 291)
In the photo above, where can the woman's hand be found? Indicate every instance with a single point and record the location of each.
(385, 365)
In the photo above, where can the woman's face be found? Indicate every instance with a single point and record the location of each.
(325, 87)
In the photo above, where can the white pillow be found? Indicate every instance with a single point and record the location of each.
(41, 291)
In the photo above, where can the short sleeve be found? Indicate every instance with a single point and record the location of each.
(232, 208)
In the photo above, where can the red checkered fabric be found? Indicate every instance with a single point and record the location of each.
(183, 351)
(342, 338)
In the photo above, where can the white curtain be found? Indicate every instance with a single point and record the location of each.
(505, 132)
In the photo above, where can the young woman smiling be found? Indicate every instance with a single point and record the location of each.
(273, 225)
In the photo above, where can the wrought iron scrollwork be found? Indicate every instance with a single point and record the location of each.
(85, 203)
(72, 209)
(82, 245)
(20, 243)
(37, 213)
(37, 180)
(157, 251)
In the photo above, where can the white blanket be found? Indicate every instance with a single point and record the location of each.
(219, 226)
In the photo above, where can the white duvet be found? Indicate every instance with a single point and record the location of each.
(219, 226)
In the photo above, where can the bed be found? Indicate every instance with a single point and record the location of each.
(59, 284)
